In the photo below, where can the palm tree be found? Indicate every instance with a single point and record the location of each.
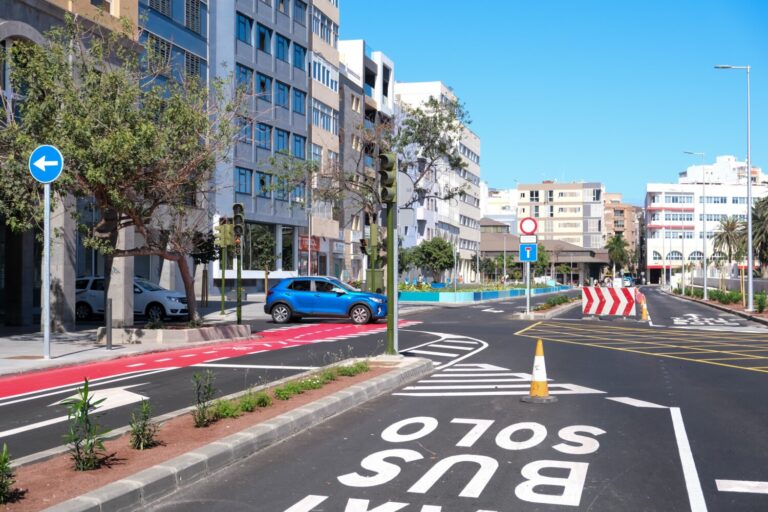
(760, 233)
(730, 237)
(617, 251)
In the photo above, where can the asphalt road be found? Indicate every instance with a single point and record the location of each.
(648, 418)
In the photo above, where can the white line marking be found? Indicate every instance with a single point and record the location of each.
(479, 368)
(257, 352)
(256, 366)
(436, 345)
(692, 484)
(460, 381)
(211, 352)
(454, 375)
(742, 486)
(134, 365)
(163, 359)
(462, 342)
(431, 353)
(635, 403)
(188, 355)
(500, 386)
(214, 359)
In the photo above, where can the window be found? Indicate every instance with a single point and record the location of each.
(264, 87)
(244, 29)
(715, 200)
(263, 38)
(263, 136)
(325, 28)
(299, 147)
(161, 50)
(674, 255)
(263, 181)
(534, 196)
(299, 12)
(282, 6)
(678, 217)
(300, 285)
(161, 6)
(317, 153)
(281, 94)
(325, 117)
(244, 77)
(550, 195)
(243, 183)
(246, 130)
(596, 193)
(299, 56)
(678, 199)
(192, 15)
(356, 101)
(299, 102)
(282, 45)
(193, 65)
(536, 211)
(281, 140)
(325, 73)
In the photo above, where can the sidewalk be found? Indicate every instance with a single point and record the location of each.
(757, 318)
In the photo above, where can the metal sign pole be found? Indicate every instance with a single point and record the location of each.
(396, 270)
(527, 287)
(46, 313)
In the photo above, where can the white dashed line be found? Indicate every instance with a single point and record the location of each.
(163, 359)
(134, 365)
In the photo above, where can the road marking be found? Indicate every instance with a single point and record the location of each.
(188, 355)
(257, 352)
(256, 366)
(134, 365)
(692, 484)
(211, 352)
(463, 342)
(212, 360)
(477, 375)
(635, 402)
(432, 353)
(742, 486)
(452, 347)
(163, 359)
(529, 327)
(472, 386)
(491, 310)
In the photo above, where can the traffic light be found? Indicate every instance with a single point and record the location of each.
(238, 211)
(388, 177)
(364, 246)
(223, 236)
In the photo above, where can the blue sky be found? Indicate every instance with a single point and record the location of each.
(610, 91)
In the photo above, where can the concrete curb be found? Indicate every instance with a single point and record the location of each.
(140, 489)
(726, 309)
(550, 313)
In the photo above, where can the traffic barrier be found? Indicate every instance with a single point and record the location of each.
(608, 301)
(539, 389)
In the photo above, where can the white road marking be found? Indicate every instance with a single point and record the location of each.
(742, 486)
(491, 310)
(508, 374)
(163, 359)
(188, 355)
(256, 366)
(257, 352)
(451, 347)
(472, 386)
(134, 365)
(212, 360)
(635, 403)
(692, 484)
(463, 342)
(211, 352)
(432, 353)
(458, 381)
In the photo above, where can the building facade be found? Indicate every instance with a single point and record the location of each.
(500, 205)
(569, 212)
(621, 218)
(682, 218)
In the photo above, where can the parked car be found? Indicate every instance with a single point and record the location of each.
(149, 299)
(627, 280)
(296, 297)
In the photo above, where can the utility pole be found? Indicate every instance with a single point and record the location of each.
(239, 230)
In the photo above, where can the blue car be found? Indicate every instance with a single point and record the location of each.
(297, 297)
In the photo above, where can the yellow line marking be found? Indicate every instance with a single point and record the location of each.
(667, 331)
(518, 333)
(732, 359)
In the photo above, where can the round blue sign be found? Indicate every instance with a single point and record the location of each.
(46, 163)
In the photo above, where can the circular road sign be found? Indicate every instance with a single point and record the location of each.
(46, 163)
(528, 225)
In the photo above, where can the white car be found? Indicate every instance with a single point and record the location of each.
(149, 299)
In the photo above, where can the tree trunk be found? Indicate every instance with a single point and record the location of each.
(189, 288)
(266, 283)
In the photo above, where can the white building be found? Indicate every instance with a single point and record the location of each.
(675, 213)
(500, 205)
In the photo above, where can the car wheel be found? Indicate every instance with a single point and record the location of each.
(360, 314)
(281, 313)
(83, 311)
(155, 312)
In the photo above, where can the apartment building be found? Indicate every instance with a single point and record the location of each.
(456, 219)
(266, 45)
(622, 218)
(682, 218)
(569, 212)
(499, 205)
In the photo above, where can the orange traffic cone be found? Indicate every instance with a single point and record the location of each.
(539, 389)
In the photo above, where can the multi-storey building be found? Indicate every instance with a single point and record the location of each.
(621, 218)
(268, 52)
(678, 215)
(570, 212)
(500, 205)
(456, 219)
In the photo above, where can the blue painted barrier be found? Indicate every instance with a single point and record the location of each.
(449, 297)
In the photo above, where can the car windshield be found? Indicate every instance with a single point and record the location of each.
(343, 286)
(150, 287)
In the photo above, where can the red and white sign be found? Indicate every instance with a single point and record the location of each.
(608, 301)
(304, 243)
(528, 226)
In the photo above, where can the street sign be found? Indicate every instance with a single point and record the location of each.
(46, 164)
(528, 226)
(404, 189)
(528, 239)
(529, 252)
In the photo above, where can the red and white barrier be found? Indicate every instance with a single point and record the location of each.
(608, 301)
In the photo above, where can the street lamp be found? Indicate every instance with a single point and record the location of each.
(682, 267)
(703, 217)
(750, 257)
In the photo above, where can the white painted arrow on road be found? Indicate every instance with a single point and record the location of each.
(41, 163)
(113, 398)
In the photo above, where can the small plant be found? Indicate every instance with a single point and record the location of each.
(761, 300)
(192, 324)
(311, 383)
(225, 409)
(204, 392)
(327, 376)
(353, 369)
(251, 400)
(154, 324)
(287, 390)
(7, 477)
(143, 430)
(85, 435)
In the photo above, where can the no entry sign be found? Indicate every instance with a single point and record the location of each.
(528, 226)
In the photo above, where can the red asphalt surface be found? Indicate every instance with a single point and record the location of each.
(273, 339)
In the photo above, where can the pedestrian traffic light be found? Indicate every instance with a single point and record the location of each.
(364, 246)
(388, 177)
(238, 211)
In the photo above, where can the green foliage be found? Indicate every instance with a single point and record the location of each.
(143, 429)
(761, 299)
(225, 409)
(725, 297)
(617, 250)
(251, 400)
(554, 301)
(262, 250)
(406, 259)
(730, 237)
(204, 391)
(154, 324)
(760, 232)
(434, 256)
(317, 381)
(542, 260)
(85, 436)
(7, 477)
(287, 390)
(353, 369)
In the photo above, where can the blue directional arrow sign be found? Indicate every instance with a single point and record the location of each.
(46, 163)
(529, 252)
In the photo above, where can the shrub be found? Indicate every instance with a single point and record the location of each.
(85, 436)
(288, 390)
(143, 430)
(734, 297)
(353, 369)
(204, 392)
(7, 477)
(760, 301)
(311, 383)
(225, 409)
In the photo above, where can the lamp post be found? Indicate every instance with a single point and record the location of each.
(504, 275)
(750, 256)
(682, 266)
(703, 217)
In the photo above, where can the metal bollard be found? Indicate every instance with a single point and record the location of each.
(108, 317)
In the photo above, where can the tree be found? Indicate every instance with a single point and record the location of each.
(760, 233)
(730, 237)
(434, 256)
(139, 146)
(542, 261)
(262, 250)
(406, 259)
(617, 251)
